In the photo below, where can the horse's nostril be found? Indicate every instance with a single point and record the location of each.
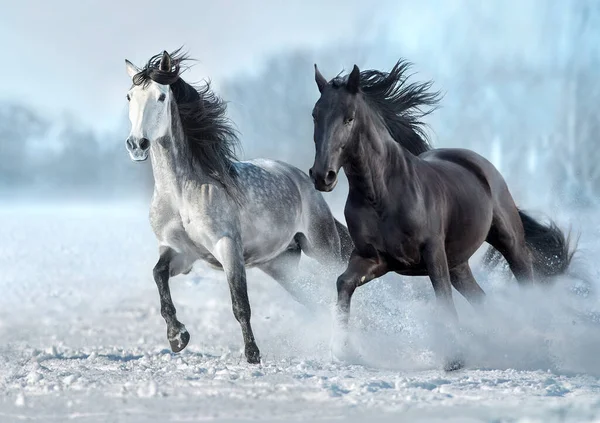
(144, 144)
(129, 143)
(330, 177)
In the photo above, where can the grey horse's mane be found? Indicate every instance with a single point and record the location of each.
(209, 134)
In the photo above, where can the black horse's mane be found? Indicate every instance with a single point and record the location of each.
(400, 104)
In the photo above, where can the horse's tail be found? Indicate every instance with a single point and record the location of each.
(345, 240)
(551, 251)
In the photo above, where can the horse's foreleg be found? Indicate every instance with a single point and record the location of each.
(360, 270)
(169, 264)
(230, 255)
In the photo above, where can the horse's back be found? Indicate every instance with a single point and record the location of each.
(475, 164)
(318, 231)
(271, 210)
(289, 177)
(279, 203)
(273, 180)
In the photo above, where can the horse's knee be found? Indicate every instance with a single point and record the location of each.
(346, 284)
(161, 269)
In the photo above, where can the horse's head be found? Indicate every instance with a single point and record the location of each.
(334, 119)
(149, 108)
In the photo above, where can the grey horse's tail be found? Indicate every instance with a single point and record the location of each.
(345, 241)
(551, 251)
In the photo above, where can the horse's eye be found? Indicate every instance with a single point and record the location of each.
(348, 120)
(128, 98)
(162, 97)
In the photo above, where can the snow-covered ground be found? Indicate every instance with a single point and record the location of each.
(82, 339)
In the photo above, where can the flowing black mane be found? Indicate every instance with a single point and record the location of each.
(401, 104)
(208, 132)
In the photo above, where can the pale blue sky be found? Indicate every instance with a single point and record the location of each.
(68, 54)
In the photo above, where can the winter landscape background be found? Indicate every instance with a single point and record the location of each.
(81, 333)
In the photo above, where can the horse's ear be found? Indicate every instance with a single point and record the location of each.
(320, 79)
(132, 69)
(165, 62)
(353, 80)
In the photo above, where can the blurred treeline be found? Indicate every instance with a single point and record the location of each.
(521, 85)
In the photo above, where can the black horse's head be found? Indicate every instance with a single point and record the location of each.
(357, 105)
(334, 116)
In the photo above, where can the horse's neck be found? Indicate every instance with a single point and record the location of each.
(172, 165)
(163, 167)
(376, 160)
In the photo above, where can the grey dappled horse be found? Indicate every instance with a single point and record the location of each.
(209, 206)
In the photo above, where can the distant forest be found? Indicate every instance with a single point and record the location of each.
(532, 108)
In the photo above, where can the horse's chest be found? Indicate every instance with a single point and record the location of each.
(387, 235)
(400, 242)
(171, 227)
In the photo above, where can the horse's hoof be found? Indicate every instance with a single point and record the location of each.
(179, 340)
(252, 354)
(340, 348)
(453, 365)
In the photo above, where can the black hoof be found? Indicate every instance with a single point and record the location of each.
(453, 365)
(252, 354)
(179, 339)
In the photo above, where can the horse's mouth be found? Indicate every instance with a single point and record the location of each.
(138, 157)
(325, 187)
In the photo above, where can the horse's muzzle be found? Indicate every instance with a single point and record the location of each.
(323, 182)
(138, 148)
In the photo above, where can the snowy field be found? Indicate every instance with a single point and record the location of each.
(82, 338)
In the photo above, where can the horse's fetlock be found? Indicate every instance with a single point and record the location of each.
(167, 312)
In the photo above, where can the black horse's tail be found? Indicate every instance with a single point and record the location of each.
(345, 241)
(551, 251)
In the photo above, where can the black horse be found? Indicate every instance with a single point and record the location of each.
(412, 209)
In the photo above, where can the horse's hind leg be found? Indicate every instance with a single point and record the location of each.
(508, 237)
(436, 263)
(170, 264)
(322, 243)
(320, 238)
(284, 269)
(463, 281)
